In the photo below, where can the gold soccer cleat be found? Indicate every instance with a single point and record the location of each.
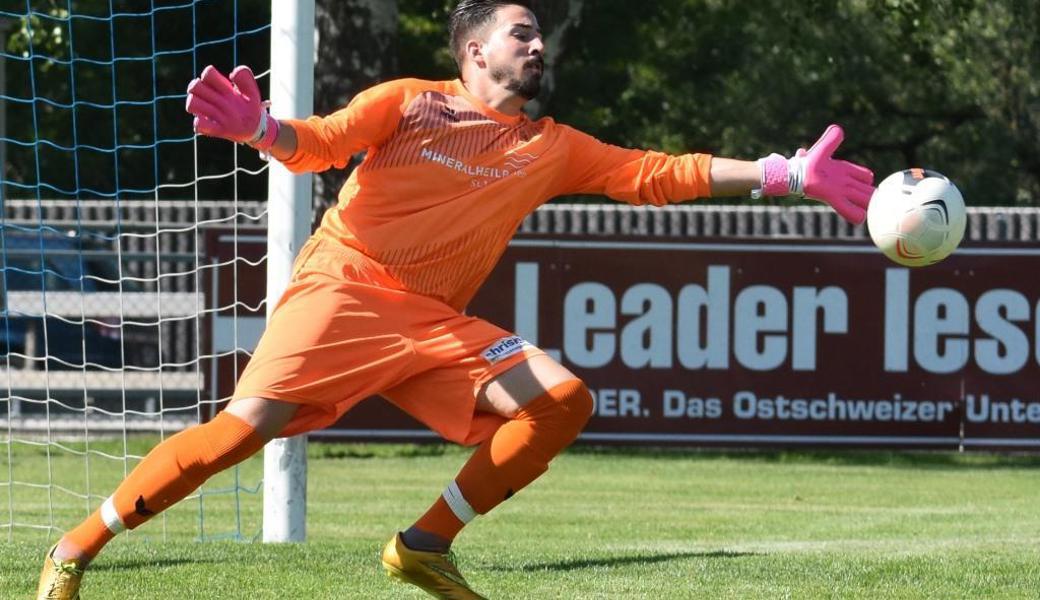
(433, 572)
(59, 579)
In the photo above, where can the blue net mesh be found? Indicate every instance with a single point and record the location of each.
(123, 238)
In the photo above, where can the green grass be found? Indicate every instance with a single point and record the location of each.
(617, 524)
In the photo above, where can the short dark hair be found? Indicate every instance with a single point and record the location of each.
(469, 15)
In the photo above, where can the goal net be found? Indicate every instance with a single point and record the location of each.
(132, 255)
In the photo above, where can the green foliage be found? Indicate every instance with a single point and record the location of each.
(424, 39)
(84, 116)
(31, 32)
(952, 85)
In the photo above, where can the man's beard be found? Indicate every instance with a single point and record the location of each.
(526, 86)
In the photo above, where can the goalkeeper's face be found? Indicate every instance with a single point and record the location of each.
(513, 51)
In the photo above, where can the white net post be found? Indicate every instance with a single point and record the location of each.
(289, 217)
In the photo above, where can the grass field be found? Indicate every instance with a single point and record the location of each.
(618, 524)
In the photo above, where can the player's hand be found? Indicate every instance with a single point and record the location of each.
(231, 108)
(845, 186)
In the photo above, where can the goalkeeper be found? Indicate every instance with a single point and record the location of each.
(375, 303)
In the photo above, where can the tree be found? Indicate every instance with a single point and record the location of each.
(95, 103)
(946, 85)
(356, 47)
(952, 85)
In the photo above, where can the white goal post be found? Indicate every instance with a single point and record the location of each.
(289, 214)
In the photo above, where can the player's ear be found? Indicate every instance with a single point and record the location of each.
(475, 52)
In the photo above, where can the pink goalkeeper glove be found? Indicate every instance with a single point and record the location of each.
(845, 186)
(231, 109)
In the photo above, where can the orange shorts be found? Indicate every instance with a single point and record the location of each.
(343, 332)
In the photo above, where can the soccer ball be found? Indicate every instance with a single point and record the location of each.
(916, 217)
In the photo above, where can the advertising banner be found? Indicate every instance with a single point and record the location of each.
(776, 343)
(783, 343)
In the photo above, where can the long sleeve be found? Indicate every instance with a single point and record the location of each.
(633, 176)
(369, 118)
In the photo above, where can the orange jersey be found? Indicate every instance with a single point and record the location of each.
(447, 180)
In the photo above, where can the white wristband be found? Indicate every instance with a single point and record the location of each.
(796, 175)
(261, 129)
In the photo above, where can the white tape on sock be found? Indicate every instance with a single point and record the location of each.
(457, 503)
(111, 517)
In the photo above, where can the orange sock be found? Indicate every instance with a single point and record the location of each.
(513, 457)
(440, 521)
(171, 471)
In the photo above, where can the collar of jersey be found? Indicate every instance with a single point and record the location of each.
(487, 110)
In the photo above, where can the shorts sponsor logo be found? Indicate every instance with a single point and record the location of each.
(504, 347)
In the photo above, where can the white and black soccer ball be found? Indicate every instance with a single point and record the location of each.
(916, 217)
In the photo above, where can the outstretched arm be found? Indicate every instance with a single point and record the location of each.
(231, 108)
(648, 177)
(813, 173)
(731, 177)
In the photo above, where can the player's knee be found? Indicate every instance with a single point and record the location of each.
(268, 417)
(579, 405)
(566, 406)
